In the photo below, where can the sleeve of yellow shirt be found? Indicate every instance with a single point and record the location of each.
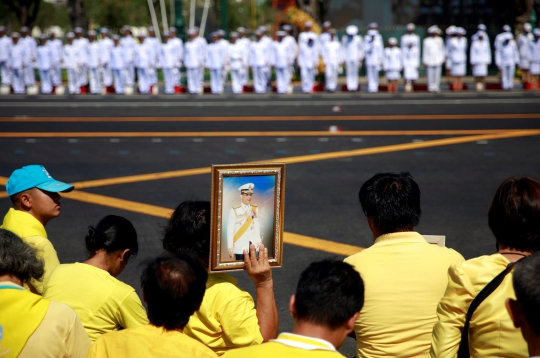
(239, 319)
(452, 312)
(77, 341)
(47, 252)
(131, 313)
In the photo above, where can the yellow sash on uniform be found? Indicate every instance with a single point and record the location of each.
(21, 313)
(244, 227)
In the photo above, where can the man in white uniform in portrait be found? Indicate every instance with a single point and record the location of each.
(243, 226)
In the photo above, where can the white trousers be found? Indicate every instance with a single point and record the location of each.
(201, 77)
(118, 81)
(129, 74)
(46, 81)
(259, 79)
(176, 76)
(224, 74)
(236, 81)
(29, 75)
(434, 77)
(308, 79)
(168, 78)
(95, 80)
(83, 75)
(216, 80)
(142, 80)
(73, 81)
(507, 76)
(152, 76)
(244, 75)
(194, 79)
(17, 80)
(372, 73)
(283, 79)
(107, 75)
(331, 75)
(56, 75)
(352, 75)
(5, 73)
(267, 74)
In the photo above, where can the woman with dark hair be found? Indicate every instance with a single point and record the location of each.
(102, 302)
(514, 219)
(227, 318)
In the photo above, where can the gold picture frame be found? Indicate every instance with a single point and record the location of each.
(243, 216)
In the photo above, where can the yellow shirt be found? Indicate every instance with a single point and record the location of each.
(33, 233)
(227, 318)
(288, 345)
(103, 303)
(404, 278)
(148, 341)
(491, 331)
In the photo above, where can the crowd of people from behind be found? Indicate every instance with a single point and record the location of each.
(400, 297)
(101, 62)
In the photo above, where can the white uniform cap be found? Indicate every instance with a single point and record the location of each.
(104, 30)
(258, 32)
(287, 27)
(351, 30)
(91, 33)
(167, 33)
(247, 188)
(43, 37)
(192, 32)
(507, 28)
(392, 41)
(172, 29)
(527, 27)
(127, 27)
(78, 30)
(24, 28)
(373, 25)
(451, 30)
(536, 32)
(233, 34)
(262, 28)
(308, 24)
(221, 32)
(482, 33)
(2, 28)
(372, 32)
(281, 33)
(482, 27)
(241, 29)
(70, 35)
(150, 28)
(411, 27)
(433, 29)
(461, 31)
(326, 24)
(15, 35)
(116, 37)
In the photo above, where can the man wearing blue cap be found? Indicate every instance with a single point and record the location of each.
(35, 198)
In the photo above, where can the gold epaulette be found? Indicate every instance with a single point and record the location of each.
(236, 207)
(254, 205)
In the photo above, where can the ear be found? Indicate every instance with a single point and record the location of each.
(26, 200)
(124, 255)
(349, 325)
(292, 307)
(515, 312)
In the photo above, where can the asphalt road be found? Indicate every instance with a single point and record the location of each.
(458, 146)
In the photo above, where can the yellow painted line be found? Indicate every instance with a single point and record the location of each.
(275, 118)
(247, 134)
(320, 244)
(3, 181)
(3, 194)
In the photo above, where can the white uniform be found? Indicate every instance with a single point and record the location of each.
(304, 37)
(411, 62)
(94, 66)
(201, 44)
(281, 58)
(82, 44)
(30, 57)
(523, 46)
(353, 53)
(168, 57)
(506, 58)
(258, 60)
(373, 52)
(457, 51)
(72, 63)
(480, 57)
(408, 39)
(178, 45)
(106, 47)
(56, 50)
(129, 44)
(332, 56)
(194, 62)
(308, 61)
(267, 41)
(244, 73)
(433, 56)
(44, 61)
(238, 59)
(16, 61)
(393, 63)
(215, 61)
(534, 56)
(225, 71)
(477, 35)
(155, 46)
(119, 63)
(238, 217)
(324, 38)
(293, 48)
(5, 49)
(143, 63)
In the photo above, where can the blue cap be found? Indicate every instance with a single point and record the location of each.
(34, 176)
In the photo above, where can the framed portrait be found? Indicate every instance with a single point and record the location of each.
(247, 206)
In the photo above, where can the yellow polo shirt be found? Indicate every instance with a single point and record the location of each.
(227, 318)
(33, 233)
(103, 303)
(288, 345)
(491, 331)
(405, 278)
(147, 342)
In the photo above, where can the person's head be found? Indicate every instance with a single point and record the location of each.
(326, 26)
(525, 309)
(410, 28)
(392, 41)
(308, 25)
(18, 260)
(172, 32)
(192, 34)
(166, 36)
(70, 36)
(332, 33)
(246, 193)
(287, 28)
(79, 32)
(391, 202)
(42, 40)
(241, 32)
(2, 30)
(141, 36)
(173, 287)
(188, 229)
(24, 31)
(220, 34)
(213, 37)
(280, 35)
(329, 294)
(52, 35)
(351, 30)
(514, 214)
(116, 40)
(536, 33)
(127, 30)
(234, 37)
(151, 32)
(527, 28)
(258, 35)
(116, 239)
(33, 190)
(15, 37)
(507, 28)
(91, 35)
(104, 32)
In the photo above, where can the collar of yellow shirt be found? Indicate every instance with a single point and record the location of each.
(399, 237)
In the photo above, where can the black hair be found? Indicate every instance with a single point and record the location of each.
(514, 214)
(526, 282)
(392, 201)
(112, 233)
(188, 229)
(329, 293)
(19, 259)
(173, 287)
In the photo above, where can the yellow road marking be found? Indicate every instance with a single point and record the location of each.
(320, 244)
(247, 134)
(275, 118)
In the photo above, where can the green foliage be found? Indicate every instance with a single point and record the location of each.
(117, 13)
